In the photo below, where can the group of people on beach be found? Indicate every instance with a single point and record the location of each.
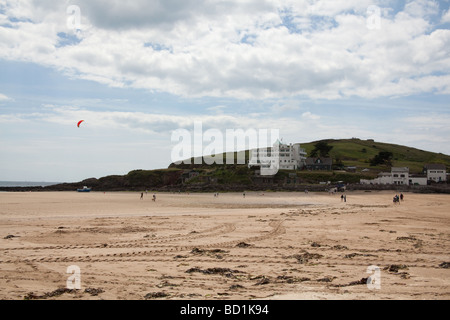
(153, 198)
(398, 198)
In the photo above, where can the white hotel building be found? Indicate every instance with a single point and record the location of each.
(401, 176)
(436, 172)
(290, 156)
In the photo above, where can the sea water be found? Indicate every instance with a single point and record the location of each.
(26, 184)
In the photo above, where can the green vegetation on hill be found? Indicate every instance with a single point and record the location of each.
(345, 153)
(367, 156)
(215, 161)
(351, 153)
(358, 153)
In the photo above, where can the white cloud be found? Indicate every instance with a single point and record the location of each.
(253, 49)
(217, 109)
(285, 107)
(12, 119)
(309, 116)
(4, 98)
(422, 8)
(446, 17)
(431, 120)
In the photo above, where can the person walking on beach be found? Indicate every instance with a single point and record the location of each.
(142, 195)
(154, 198)
(342, 197)
(396, 199)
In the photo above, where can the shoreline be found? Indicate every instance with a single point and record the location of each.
(430, 189)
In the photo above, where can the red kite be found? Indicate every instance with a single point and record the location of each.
(79, 123)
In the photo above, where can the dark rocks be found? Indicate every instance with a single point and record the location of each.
(61, 291)
(339, 247)
(10, 236)
(222, 271)
(411, 238)
(304, 258)
(166, 283)
(396, 267)
(352, 255)
(55, 293)
(291, 279)
(326, 279)
(355, 283)
(156, 295)
(263, 280)
(362, 281)
(94, 291)
(214, 253)
(243, 245)
(236, 286)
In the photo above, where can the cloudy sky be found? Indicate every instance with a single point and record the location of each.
(135, 71)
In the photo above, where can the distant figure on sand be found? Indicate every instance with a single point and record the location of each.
(154, 197)
(142, 195)
(342, 197)
(396, 199)
(243, 194)
(401, 196)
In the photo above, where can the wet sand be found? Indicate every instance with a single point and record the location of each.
(202, 247)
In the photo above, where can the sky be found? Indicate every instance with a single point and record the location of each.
(137, 71)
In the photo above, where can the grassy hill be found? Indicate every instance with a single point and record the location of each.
(346, 152)
(356, 152)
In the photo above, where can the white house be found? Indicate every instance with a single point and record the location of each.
(436, 172)
(415, 179)
(290, 156)
(398, 176)
(383, 178)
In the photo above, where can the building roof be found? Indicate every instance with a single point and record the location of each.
(435, 166)
(323, 161)
(418, 176)
(399, 169)
(384, 174)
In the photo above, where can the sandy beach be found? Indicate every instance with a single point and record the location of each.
(205, 247)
